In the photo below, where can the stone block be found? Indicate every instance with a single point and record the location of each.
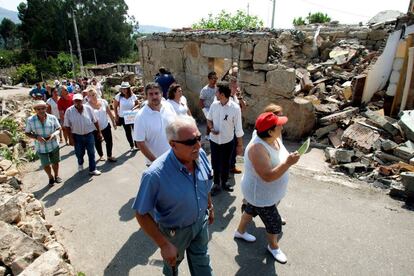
(49, 263)
(244, 64)
(344, 156)
(192, 65)
(5, 164)
(216, 51)
(5, 137)
(320, 132)
(252, 77)
(35, 228)
(194, 82)
(412, 161)
(282, 82)
(388, 145)
(264, 67)
(404, 153)
(173, 59)
(382, 122)
(12, 210)
(18, 250)
(246, 51)
(407, 123)
(336, 117)
(191, 49)
(377, 34)
(261, 51)
(3, 178)
(360, 137)
(173, 44)
(408, 181)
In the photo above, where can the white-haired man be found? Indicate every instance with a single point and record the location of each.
(173, 204)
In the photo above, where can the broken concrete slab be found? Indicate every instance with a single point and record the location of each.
(17, 250)
(407, 123)
(382, 122)
(404, 153)
(344, 156)
(354, 167)
(336, 117)
(49, 263)
(360, 137)
(388, 145)
(320, 132)
(408, 181)
(388, 157)
(335, 137)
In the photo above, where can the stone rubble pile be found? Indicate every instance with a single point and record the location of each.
(28, 244)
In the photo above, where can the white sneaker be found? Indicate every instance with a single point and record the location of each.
(80, 168)
(245, 236)
(95, 172)
(277, 254)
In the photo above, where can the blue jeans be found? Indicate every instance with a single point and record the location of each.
(82, 143)
(192, 239)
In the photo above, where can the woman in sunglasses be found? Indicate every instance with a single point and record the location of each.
(265, 180)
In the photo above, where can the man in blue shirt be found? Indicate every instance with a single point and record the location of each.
(173, 204)
(164, 79)
(38, 93)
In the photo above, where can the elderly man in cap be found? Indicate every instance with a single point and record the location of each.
(173, 204)
(45, 129)
(80, 123)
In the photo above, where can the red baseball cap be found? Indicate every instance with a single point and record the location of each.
(268, 119)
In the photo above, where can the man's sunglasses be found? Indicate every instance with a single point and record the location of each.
(190, 142)
(40, 108)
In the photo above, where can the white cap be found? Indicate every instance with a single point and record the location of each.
(77, 97)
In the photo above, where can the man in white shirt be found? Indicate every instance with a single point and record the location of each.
(207, 95)
(150, 124)
(224, 120)
(80, 122)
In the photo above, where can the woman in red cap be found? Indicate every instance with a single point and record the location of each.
(265, 180)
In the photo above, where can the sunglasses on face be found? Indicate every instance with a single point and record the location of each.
(190, 142)
(40, 108)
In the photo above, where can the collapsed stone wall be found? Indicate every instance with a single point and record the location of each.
(267, 62)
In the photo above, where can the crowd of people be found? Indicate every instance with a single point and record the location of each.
(174, 203)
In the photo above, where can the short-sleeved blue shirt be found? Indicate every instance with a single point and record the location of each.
(176, 197)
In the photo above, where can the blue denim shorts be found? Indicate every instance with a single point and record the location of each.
(269, 215)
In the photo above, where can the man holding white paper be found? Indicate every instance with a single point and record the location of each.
(45, 129)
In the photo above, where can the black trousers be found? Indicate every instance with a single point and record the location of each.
(233, 154)
(107, 135)
(220, 161)
(128, 131)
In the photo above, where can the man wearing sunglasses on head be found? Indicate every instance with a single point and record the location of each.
(45, 129)
(173, 204)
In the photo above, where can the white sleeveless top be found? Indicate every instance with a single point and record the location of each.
(255, 190)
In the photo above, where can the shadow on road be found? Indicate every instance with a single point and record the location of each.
(107, 166)
(69, 186)
(136, 251)
(126, 212)
(253, 258)
(222, 214)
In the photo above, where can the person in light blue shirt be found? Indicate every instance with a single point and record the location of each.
(45, 129)
(173, 205)
(38, 93)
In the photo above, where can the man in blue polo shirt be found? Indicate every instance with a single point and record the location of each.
(38, 93)
(164, 79)
(173, 204)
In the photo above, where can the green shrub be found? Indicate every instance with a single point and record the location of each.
(299, 21)
(318, 17)
(227, 21)
(13, 127)
(26, 73)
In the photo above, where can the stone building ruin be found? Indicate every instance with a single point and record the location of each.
(267, 63)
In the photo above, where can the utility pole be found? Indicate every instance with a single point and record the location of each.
(273, 13)
(71, 58)
(78, 44)
(94, 55)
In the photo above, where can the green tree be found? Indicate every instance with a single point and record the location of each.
(317, 17)
(227, 21)
(26, 73)
(7, 32)
(103, 25)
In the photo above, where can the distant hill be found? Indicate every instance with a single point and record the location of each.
(12, 15)
(149, 29)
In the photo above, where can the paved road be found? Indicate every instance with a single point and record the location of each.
(331, 229)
